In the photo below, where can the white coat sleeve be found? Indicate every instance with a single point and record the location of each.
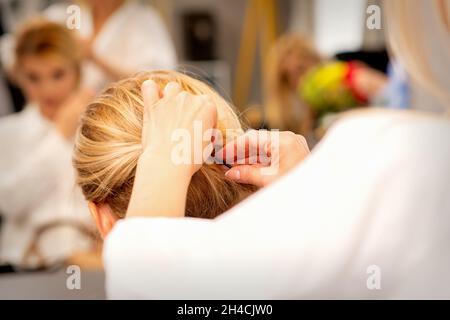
(359, 202)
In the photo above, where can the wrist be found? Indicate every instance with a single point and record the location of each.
(160, 186)
(162, 157)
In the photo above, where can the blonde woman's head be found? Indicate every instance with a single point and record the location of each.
(47, 64)
(108, 146)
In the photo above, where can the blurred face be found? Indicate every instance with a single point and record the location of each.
(293, 67)
(47, 81)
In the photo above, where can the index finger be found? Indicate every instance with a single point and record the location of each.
(248, 147)
(150, 95)
(150, 92)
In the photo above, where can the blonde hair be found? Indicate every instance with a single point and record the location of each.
(40, 37)
(279, 109)
(418, 33)
(108, 146)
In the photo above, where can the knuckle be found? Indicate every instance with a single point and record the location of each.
(211, 110)
(289, 139)
(245, 172)
(204, 98)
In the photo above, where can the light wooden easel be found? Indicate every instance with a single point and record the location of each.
(260, 20)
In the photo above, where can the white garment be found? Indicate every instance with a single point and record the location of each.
(6, 105)
(373, 196)
(37, 186)
(134, 38)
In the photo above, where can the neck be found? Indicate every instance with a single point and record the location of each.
(48, 113)
(102, 10)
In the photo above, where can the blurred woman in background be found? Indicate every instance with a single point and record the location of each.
(302, 87)
(118, 38)
(37, 187)
(288, 61)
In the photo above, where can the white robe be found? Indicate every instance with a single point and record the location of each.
(134, 39)
(37, 187)
(367, 215)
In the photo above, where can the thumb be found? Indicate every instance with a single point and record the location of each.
(249, 174)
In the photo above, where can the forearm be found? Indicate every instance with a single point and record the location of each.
(160, 188)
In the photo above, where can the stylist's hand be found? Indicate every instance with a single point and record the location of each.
(173, 115)
(161, 184)
(265, 156)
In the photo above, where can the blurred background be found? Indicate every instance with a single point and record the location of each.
(228, 42)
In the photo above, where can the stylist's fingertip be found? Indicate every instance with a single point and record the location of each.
(150, 91)
(233, 174)
(149, 83)
(171, 89)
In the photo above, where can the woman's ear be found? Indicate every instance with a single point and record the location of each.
(103, 216)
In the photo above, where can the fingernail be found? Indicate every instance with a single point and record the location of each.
(147, 83)
(233, 174)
